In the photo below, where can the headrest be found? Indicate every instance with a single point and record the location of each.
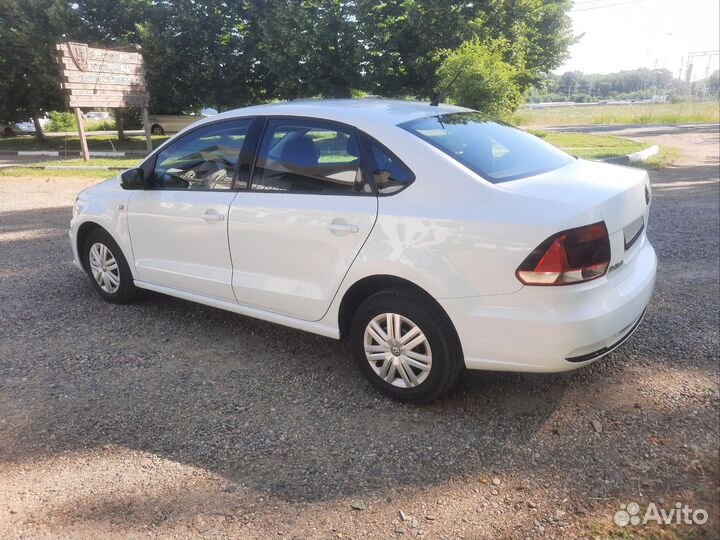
(300, 152)
(352, 147)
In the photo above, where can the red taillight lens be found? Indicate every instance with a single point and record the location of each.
(571, 256)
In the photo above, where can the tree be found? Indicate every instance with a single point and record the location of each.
(309, 47)
(29, 30)
(477, 76)
(401, 39)
(230, 53)
(203, 54)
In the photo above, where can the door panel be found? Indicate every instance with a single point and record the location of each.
(179, 240)
(290, 252)
(178, 225)
(309, 210)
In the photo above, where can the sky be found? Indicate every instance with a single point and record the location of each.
(628, 34)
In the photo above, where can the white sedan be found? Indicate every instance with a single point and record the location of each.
(431, 237)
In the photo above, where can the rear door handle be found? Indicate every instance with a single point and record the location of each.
(342, 228)
(211, 216)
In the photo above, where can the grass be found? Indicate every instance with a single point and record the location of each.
(590, 146)
(23, 172)
(658, 113)
(72, 143)
(665, 158)
(118, 162)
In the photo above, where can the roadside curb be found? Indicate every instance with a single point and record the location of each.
(641, 155)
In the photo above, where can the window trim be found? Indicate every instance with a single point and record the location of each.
(151, 160)
(362, 158)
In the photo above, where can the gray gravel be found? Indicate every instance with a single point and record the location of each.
(170, 419)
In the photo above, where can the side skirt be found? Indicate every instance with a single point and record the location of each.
(307, 326)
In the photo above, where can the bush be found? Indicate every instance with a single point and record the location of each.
(61, 121)
(484, 80)
(100, 125)
(131, 118)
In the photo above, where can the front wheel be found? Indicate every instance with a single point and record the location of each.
(405, 346)
(108, 269)
(157, 130)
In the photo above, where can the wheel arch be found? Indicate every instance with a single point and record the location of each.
(83, 232)
(367, 286)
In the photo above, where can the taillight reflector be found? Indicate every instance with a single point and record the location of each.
(568, 257)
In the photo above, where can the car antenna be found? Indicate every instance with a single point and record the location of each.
(439, 96)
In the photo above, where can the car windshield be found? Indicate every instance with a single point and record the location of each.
(495, 151)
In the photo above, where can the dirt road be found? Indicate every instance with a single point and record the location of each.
(169, 419)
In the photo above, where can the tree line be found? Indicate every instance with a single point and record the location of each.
(231, 53)
(637, 84)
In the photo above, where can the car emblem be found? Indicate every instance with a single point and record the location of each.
(395, 351)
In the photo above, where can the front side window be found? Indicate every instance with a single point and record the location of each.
(203, 159)
(304, 156)
(495, 151)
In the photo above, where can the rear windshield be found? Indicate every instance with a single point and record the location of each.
(495, 151)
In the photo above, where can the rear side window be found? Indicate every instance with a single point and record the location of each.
(495, 151)
(307, 156)
(390, 174)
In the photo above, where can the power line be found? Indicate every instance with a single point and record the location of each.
(607, 6)
(584, 2)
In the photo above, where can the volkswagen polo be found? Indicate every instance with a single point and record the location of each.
(433, 238)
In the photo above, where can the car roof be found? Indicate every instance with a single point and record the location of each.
(368, 114)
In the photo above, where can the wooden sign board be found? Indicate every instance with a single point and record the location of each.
(95, 77)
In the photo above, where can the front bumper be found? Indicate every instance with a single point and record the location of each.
(73, 247)
(551, 329)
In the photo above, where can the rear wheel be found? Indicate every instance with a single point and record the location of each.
(157, 130)
(108, 270)
(405, 346)
(8, 132)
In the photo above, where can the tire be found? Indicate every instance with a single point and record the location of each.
(99, 252)
(418, 318)
(157, 130)
(8, 132)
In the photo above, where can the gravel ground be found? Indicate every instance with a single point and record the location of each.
(173, 420)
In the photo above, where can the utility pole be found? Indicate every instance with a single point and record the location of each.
(698, 54)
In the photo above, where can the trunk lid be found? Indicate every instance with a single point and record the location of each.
(620, 194)
(617, 192)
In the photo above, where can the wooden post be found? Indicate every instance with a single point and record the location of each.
(81, 131)
(146, 125)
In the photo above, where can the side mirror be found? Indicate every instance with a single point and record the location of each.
(132, 179)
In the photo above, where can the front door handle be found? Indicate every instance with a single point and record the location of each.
(211, 216)
(342, 228)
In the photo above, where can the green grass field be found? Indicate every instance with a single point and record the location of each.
(72, 143)
(590, 146)
(660, 113)
(116, 162)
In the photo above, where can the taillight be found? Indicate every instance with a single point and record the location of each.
(568, 257)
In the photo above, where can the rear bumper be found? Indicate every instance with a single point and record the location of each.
(551, 329)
